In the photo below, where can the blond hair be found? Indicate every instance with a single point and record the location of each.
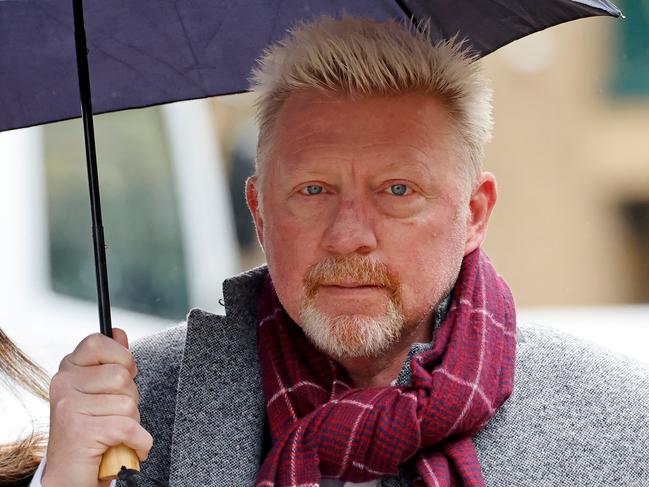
(361, 57)
(20, 459)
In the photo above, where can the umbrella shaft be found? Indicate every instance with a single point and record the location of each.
(99, 246)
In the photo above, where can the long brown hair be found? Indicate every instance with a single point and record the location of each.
(19, 459)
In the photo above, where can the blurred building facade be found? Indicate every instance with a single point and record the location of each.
(571, 155)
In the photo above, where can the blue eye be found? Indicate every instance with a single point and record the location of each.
(313, 189)
(398, 189)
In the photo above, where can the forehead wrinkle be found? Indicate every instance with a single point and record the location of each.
(420, 155)
(413, 156)
(321, 149)
(305, 136)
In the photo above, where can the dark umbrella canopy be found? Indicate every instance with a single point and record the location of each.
(147, 52)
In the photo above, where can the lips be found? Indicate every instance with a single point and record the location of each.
(350, 285)
(350, 290)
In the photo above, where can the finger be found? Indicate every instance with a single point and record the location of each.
(120, 337)
(98, 349)
(101, 379)
(115, 430)
(108, 405)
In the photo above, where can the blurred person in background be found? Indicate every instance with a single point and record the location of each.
(19, 459)
(379, 346)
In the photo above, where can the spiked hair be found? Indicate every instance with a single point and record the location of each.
(361, 57)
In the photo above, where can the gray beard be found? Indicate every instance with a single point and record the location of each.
(352, 336)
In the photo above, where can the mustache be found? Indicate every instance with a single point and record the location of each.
(346, 268)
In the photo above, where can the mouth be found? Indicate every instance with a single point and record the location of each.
(350, 285)
(350, 290)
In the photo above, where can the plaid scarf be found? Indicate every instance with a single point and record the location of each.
(322, 427)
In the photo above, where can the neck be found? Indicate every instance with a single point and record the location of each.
(381, 371)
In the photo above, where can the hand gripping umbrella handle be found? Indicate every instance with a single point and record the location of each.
(114, 459)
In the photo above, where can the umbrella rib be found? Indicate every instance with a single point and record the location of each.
(190, 47)
(407, 12)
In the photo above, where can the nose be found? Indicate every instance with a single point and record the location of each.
(350, 229)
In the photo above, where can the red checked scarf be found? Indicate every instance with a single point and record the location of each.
(321, 427)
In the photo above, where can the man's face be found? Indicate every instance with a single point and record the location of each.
(365, 216)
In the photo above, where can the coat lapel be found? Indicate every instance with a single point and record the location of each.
(219, 416)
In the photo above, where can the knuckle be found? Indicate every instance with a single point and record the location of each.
(62, 407)
(89, 342)
(131, 408)
(55, 383)
(122, 377)
(92, 344)
(58, 384)
(64, 363)
(129, 427)
(119, 377)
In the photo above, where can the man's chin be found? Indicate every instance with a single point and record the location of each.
(351, 335)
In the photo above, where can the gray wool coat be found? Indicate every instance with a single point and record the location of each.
(579, 415)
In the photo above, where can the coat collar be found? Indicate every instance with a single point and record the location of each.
(220, 413)
(219, 417)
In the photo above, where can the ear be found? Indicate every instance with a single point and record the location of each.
(483, 199)
(252, 198)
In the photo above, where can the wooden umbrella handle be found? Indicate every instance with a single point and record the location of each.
(114, 459)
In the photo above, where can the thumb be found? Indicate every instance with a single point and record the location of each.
(120, 337)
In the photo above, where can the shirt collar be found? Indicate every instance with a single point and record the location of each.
(403, 379)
